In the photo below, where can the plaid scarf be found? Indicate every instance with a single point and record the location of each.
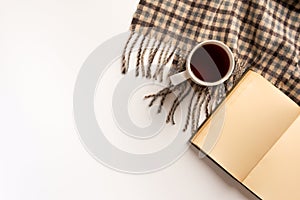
(262, 34)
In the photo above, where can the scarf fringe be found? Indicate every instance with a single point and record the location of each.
(165, 50)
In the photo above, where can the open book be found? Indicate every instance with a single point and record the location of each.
(255, 136)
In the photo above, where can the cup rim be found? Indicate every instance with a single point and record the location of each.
(223, 79)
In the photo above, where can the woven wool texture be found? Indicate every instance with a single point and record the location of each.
(263, 35)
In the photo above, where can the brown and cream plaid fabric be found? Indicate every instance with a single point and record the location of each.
(262, 34)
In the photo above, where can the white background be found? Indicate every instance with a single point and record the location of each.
(43, 44)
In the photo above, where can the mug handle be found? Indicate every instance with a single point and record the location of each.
(178, 78)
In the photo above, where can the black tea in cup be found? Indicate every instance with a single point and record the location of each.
(210, 63)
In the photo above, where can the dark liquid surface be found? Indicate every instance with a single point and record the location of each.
(210, 63)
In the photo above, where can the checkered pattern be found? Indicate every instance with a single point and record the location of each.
(262, 33)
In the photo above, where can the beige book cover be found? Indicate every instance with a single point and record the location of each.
(253, 135)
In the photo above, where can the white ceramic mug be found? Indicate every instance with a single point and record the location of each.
(188, 73)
